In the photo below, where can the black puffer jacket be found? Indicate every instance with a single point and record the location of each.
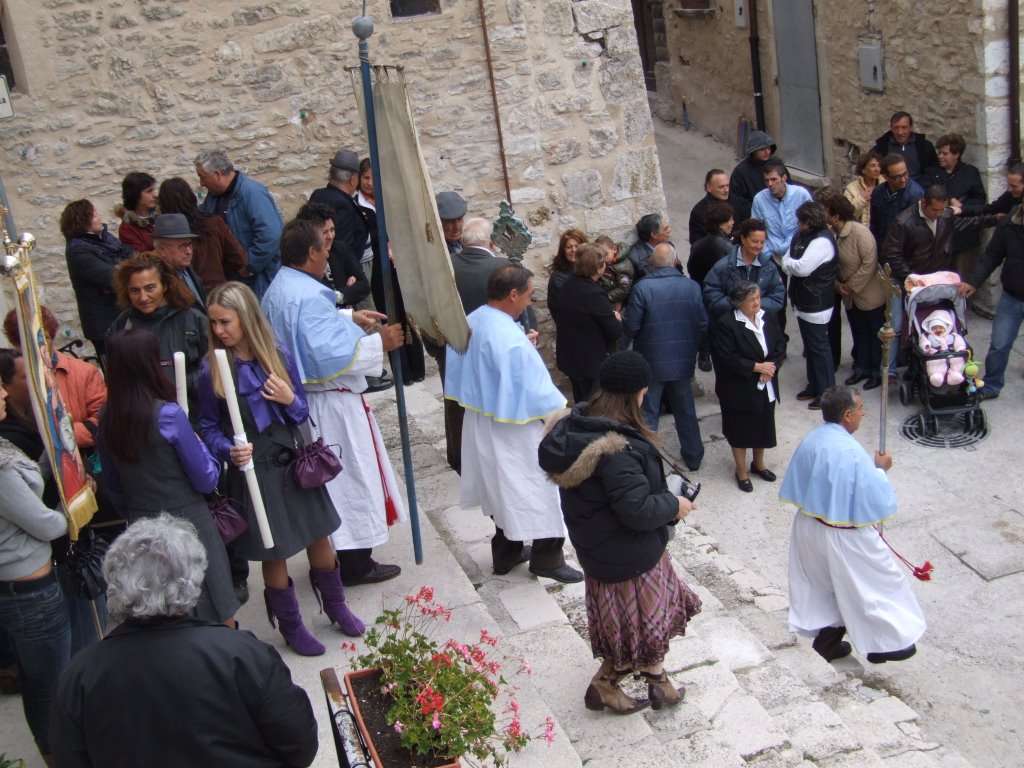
(614, 498)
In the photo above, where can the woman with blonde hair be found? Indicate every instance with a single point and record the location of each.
(273, 407)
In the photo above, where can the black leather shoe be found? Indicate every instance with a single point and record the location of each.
(765, 474)
(805, 394)
(830, 644)
(378, 573)
(704, 362)
(745, 485)
(562, 573)
(814, 405)
(382, 384)
(524, 556)
(881, 658)
(851, 380)
(873, 383)
(241, 591)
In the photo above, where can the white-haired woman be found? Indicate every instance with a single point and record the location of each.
(273, 406)
(212, 696)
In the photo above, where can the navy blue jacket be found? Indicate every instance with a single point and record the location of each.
(666, 319)
(727, 273)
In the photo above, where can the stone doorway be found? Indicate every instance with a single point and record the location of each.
(649, 18)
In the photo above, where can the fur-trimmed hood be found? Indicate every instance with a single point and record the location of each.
(575, 443)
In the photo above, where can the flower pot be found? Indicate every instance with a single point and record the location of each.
(386, 735)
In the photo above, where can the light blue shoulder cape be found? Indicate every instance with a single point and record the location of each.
(301, 311)
(832, 478)
(501, 374)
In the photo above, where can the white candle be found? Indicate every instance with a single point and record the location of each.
(228, 383)
(179, 381)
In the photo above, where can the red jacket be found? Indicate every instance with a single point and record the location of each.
(84, 391)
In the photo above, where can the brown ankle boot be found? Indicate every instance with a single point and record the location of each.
(604, 692)
(661, 691)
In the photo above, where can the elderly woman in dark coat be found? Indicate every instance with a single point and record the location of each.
(748, 349)
(618, 508)
(211, 695)
(587, 328)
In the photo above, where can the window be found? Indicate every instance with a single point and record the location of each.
(401, 8)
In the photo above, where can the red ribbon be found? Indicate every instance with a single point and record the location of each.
(922, 572)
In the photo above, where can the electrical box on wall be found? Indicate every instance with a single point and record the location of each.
(741, 14)
(870, 57)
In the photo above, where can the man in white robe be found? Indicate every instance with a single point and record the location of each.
(842, 576)
(335, 352)
(507, 392)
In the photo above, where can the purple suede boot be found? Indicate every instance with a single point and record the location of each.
(329, 591)
(283, 604)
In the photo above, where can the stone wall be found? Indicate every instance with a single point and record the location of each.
(946, 66)
(112, 86)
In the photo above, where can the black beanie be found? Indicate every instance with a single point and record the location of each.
(624, 372)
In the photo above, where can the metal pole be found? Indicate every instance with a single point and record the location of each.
(362, 27)
(887, 336)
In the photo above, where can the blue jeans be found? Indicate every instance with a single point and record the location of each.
(1005, 327)
(821, 374)
(37, 624)
(896, 304)
(679, 395)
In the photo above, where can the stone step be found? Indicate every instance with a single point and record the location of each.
(756, 694)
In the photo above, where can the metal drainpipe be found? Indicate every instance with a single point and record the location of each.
(494, 100)
(1013, 24)
(755, 65)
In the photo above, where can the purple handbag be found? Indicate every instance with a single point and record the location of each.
(230, 524)
(315, 463)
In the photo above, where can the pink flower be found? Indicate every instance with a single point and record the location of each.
(527, 667)
(549, 729)
(436, 725)
(399, 726)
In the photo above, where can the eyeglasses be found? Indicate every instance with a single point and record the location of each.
(180, 245)
(894, 176)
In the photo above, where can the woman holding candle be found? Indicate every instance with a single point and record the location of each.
(155, 458)
(272, 405)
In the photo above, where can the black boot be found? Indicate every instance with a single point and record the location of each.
(901, 655)
(830, 644)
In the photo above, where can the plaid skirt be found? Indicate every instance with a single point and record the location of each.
(631, 622)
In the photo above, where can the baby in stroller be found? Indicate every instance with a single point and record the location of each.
(938, 336)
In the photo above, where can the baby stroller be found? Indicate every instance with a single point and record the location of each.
(936, 322)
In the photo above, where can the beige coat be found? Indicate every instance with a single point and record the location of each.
(858, 267)
(854, 192)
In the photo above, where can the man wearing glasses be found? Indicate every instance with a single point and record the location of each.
(898, 193)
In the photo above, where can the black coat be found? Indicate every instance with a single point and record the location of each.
(176, 692)
(555, 283)
(965, 185)
(910, 245)
(705, 253)
(735, 351)
(614, 499)
(1007, 248)
(586, 328)
(698, 228)
(91, 260)
(924, 149)
(473, 267)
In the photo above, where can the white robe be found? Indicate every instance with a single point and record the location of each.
(848, 577)
(500, 473)
(358, 492)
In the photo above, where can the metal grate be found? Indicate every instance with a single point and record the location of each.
(960, 431)
(401, 8)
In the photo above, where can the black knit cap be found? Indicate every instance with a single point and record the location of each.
(624, 372)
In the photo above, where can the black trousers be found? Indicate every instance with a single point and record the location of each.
(547, 553)
(354, 563)
(582, 389)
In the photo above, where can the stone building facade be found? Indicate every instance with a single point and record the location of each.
(946, 64)
(105, 87)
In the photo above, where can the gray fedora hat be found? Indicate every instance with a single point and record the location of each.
(346, 160)
(172, 226)
(450, 205)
